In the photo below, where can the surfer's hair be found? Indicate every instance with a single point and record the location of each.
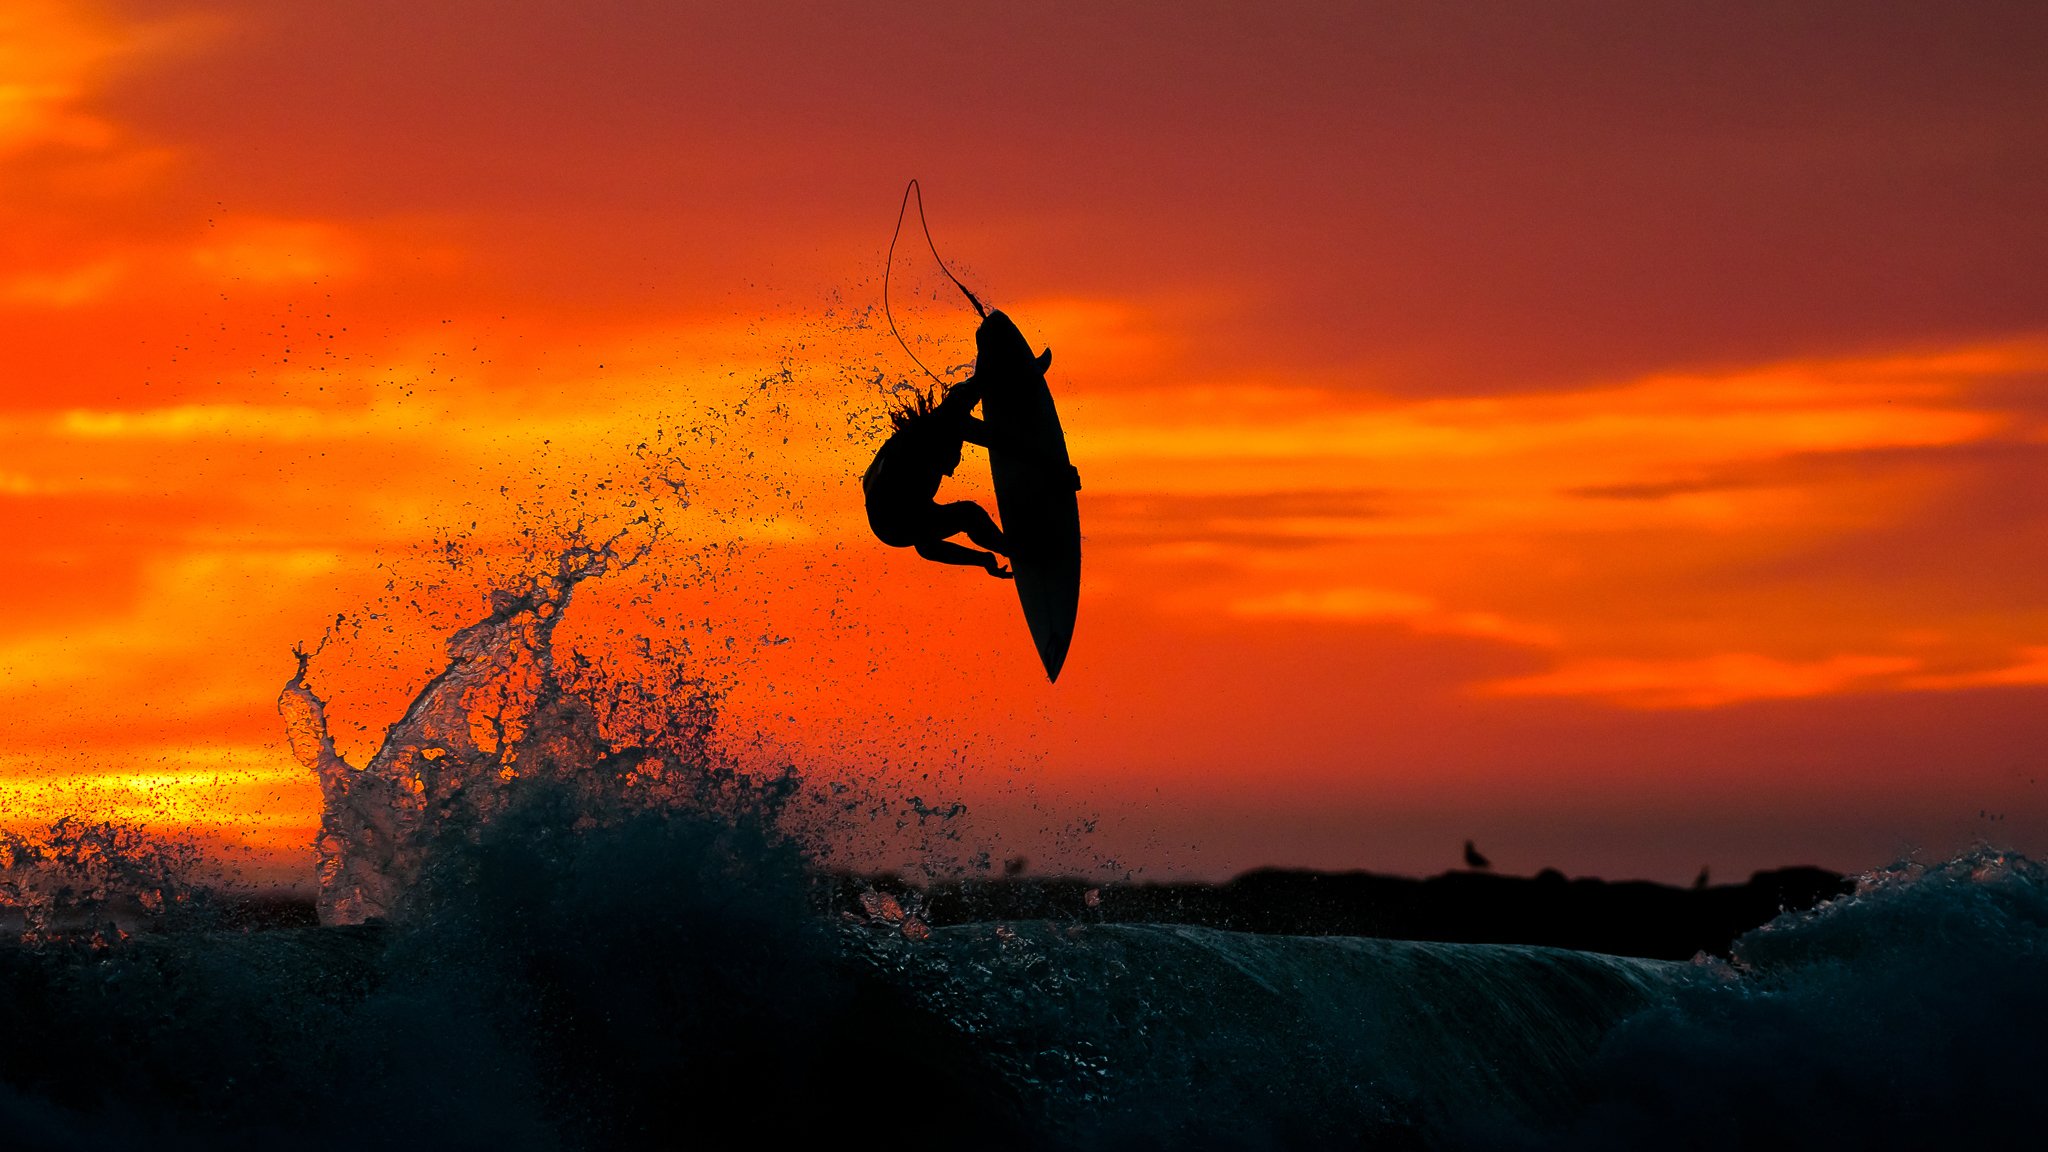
(918, 406)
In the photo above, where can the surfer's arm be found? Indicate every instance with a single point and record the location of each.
(961, 398)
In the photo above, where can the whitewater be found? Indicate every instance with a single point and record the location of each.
(555, 914)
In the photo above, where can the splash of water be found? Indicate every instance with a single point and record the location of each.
(97, 883)
(504, 717)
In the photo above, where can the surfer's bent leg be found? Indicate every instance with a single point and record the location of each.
(971, 518)
(963, 516)
(947, 552)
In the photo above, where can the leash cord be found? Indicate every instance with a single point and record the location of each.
(901, 210)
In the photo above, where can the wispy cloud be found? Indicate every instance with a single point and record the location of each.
(1653, 537)
(2030, 666)
(1703, 682)
(1381, 605)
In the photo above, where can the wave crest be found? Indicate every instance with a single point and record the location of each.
(502, 718)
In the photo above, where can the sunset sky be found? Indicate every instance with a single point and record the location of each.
(1613, 433)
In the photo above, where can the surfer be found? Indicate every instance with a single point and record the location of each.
(1035, 482)
(902, 485)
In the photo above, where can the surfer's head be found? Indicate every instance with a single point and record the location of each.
(911, 411)
(938, 447)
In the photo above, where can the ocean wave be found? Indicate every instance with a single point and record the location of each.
(1912, 1013)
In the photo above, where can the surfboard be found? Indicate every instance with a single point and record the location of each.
(1035, 487)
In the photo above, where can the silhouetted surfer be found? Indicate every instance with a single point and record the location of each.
(902, 485)
(1035, 481)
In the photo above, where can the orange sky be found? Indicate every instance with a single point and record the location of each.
(1614, 438)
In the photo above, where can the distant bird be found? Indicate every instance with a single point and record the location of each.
(1473, 859)
(1700, 881)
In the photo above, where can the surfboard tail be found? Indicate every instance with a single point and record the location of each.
(1052, 653)
(1049, 601)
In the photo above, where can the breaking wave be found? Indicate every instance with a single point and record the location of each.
(1912, 1013)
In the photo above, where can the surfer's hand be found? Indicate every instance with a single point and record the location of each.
(1000, 572)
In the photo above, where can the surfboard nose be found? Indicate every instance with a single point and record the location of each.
(999, 339)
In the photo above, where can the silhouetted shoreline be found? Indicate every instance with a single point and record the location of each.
(1624, 918)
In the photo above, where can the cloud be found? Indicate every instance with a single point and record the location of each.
(1663, 449)
(279, 252)
(194, 603)
(1339, 604)
(55, 58)
(1681, 541)
(50, 55)
(2031, 667)
(253, 793)
(1737, 677)
(195, 421)
(1703, 682)
(68, 288)
(1354, 605)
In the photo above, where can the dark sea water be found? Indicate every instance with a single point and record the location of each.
(554, 915)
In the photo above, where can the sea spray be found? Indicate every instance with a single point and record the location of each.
(496, 714)
(99, 881)
(508, 713)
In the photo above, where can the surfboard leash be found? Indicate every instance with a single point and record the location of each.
(901, 210)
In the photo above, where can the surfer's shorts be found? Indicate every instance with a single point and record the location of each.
(901, 527)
